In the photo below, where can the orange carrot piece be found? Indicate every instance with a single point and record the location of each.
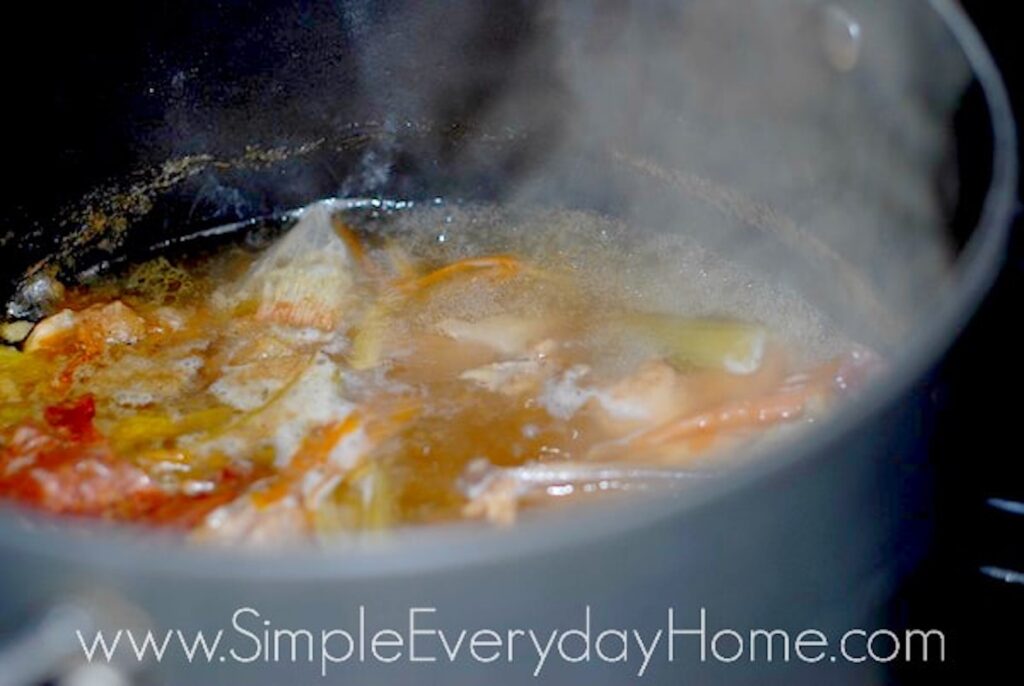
(781, 406)
(317, 446)
(501, 266)
(311, 454)
(786, 403)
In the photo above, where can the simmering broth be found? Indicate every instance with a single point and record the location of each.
(358, 373)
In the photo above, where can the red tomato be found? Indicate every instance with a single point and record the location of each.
(76, 417)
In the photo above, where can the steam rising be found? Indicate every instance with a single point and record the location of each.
(801, 138)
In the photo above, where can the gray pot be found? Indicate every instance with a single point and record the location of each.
(843, 149)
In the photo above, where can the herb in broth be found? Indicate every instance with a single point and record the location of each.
(351, 377)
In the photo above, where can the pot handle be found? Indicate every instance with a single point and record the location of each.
(50, 649)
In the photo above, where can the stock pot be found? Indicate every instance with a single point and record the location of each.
(861, 153)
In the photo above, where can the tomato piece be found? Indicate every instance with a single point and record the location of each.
(76, 417)
(63, 466)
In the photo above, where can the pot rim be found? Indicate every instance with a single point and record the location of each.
(437, 547)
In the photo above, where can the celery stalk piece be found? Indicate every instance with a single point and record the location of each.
(733, 346)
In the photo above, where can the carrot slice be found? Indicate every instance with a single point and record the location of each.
(787, 403)
(500, 266)
(313, 452)
(781, 406)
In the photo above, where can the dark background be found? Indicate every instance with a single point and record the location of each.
(979, 455)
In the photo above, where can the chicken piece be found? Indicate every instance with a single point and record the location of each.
(512, 377)
(314, 399)
(304, 280)
(139, 380)
(282, 506)
(256, 345)
(498, 502)
(651, 395)
(186, 510)
(171, 318)
(94, 327)
(311, 397)
(291, 502)
(655, 392)
(506, 334)
(115, 322)
(251, 385)
(48, 331)
(518, 376)
(250, 361)
(242, 522)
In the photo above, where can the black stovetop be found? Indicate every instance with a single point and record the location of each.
(972, 586)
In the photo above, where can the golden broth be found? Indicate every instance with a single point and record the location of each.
(355, 372)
